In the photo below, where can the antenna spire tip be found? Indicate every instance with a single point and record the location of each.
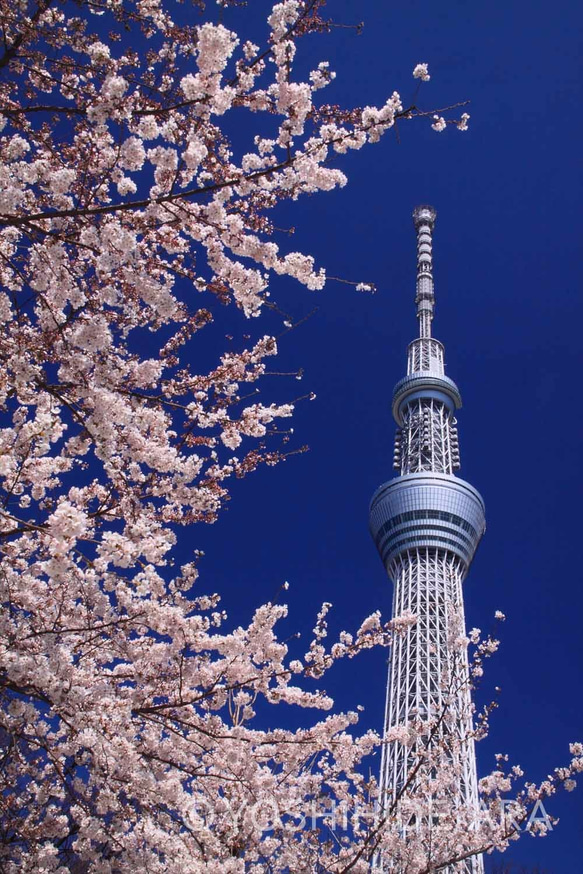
(424, 214)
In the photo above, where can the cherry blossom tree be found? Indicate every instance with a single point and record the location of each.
(127, 729)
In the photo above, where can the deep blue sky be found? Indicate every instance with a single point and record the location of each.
(509, 309)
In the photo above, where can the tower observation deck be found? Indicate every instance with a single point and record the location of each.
(427, 523)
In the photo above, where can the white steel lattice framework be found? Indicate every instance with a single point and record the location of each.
(427, 523)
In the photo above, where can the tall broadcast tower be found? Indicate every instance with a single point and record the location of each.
(426, 524)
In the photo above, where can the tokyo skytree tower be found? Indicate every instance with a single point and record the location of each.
(426, 524)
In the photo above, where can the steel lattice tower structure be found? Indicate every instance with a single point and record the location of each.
(426, 524)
